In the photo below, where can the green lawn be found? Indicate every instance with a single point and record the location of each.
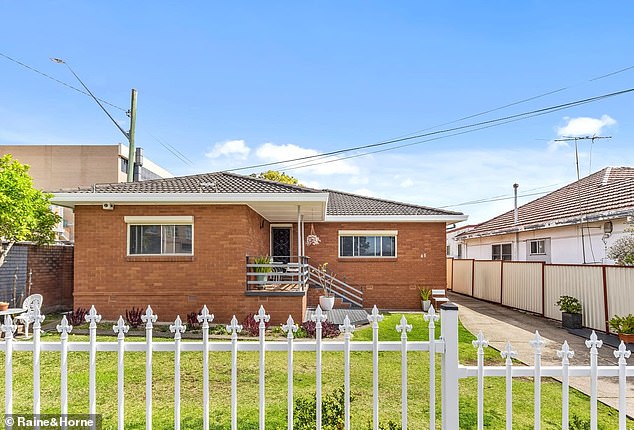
(220, 379)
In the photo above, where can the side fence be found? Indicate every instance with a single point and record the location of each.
(604, 291)
(446, 347)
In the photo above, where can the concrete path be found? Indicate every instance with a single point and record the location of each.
(500, 324)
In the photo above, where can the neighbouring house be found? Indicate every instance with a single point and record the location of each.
(575, 224)
(179, 243)
(54, 167)
(455, 247)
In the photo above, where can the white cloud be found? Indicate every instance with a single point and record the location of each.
(271, 152)
(230, 148)
(364, 192)
(407, 183)
(583, 126)
(359, 180)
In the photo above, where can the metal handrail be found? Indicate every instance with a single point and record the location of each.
(338, 287)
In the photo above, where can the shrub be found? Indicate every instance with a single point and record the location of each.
(251, 327)
(623, 325)
(77, 317)
(569, 305)
(623, 250)
(332, 411)
(328, 329)
(192, 320)
(133, 317)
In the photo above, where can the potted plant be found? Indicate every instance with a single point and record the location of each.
(263, 270)
(624, 327)
(425, 295)
(327, 301)
(570, 308)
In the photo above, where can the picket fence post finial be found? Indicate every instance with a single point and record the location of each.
(177, 328)
(290, 327)
(375, 317)
(205, 317)
(234, 328)
(120, 328)
(565, 353)
(622, 353)
(149, 318)
(262, 317)
(64, 328)
(92, 317)
(508, 353)
(346, 328)
(480, 341)
(594, 342)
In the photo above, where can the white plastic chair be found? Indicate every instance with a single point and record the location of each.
(29, 311)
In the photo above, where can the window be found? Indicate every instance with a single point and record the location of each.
(367, 244)
(538, 247)
(160, 235)
(501, 252)
(460, 250)
(448, 250)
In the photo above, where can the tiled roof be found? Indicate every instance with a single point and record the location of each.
(340, 203)
(607, 192)
(218, 182)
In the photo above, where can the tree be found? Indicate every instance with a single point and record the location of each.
(25, 213)
(623, 250)
(274, 175)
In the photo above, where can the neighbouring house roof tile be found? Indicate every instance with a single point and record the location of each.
(603, 194)
(340, 203)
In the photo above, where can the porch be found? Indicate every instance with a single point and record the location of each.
(277, 275)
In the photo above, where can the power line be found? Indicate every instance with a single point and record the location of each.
(481, 125)
(489, 124)
(60, 82)
(167, 146)
(547, 93)
(501, 197)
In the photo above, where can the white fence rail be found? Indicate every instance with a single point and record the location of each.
(446, 346)
(604, 291)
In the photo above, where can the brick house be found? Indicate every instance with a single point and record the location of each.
(179, 243)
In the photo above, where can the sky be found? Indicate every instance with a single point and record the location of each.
(225, 85)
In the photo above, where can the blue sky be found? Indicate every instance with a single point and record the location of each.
(232, 84)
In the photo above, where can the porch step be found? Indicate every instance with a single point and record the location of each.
(342, 304)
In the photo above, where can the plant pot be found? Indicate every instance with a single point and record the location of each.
(571, 320)
(326, 302)
(4, 306)
(425, 305)
(261, 278)
(626, 337)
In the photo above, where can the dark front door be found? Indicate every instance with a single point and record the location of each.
(281, 243)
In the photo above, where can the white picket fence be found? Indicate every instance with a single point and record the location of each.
(446, 346)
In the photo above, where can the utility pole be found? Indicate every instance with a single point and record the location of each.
(130, 136)
(581, 214)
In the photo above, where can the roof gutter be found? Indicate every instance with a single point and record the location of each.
(396, 218)
(603, 216)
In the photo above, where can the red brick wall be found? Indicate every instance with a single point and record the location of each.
(52, 275)
(214, 275)
(390, 283)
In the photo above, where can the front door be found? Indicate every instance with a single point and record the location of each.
(281, 243)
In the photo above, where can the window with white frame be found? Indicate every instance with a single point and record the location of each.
(160, 235)
(367, 243)
(501, 251)
(538, 247)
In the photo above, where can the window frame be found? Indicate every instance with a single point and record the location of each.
(537, 241)
(501, 245)
(159, 221)
(374, 233)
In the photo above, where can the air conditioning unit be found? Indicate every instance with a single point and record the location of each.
(107, 206)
